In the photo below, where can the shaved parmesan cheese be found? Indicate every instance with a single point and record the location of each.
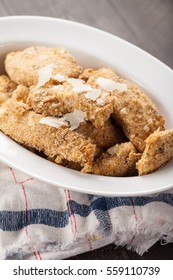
(121, 87)
(58, 77)
(100, 101)
(112, 150)
(60, 87)
(78, 85)
(93, 94)
(75, 118)
(74, 81)
(109, 85)
(53, 121)
(44, 75)
(104, 94)
(79, 88)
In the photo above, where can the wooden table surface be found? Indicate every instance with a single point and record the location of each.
(145, 23)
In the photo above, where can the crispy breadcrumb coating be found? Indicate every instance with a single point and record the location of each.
(22, 66)
(105, 137)
(22, 125)
(132, 109)
(121, 163)
(158, 150)
(61, 99)
(91, 75)
(108, 126)
(20, 94)
(6, 88)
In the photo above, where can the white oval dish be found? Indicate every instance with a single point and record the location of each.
(93, 48)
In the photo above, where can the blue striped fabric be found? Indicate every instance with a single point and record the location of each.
(40, 221)
(16, 220)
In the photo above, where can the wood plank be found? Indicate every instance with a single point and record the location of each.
(152, 23)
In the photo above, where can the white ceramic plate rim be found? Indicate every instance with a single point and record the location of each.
(119, 54)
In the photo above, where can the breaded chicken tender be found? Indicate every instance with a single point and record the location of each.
(132, 109)
(61, 99)
(6, 88)
(23, 66)
(90, 75)
(105, 137)
(52, 101)
(22, 125)
(158, 150)
(119, 160)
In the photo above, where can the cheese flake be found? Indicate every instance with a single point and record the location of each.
(81, 88)
(44, 75)
(110, 85)
(100, 101)
(70, 119)
(93, 94)
(54, 121)
(105, 94)
(74, 81)
(58, 77)
(75, 118)
(58, 87)
(78, 85)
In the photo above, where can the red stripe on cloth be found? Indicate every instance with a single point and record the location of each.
(26, 204)
(72, 212)
(35, 255)
(23, 182)
(68, 210)
(14, 176)
(134, 211)
(26, 209)
(136, 218)
(39, 255)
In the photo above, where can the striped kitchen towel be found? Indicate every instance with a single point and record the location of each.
(41, 221)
